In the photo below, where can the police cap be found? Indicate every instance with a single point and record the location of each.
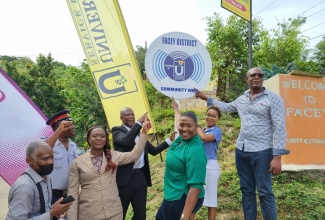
(60, 116)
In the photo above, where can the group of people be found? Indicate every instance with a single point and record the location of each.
(104, 181)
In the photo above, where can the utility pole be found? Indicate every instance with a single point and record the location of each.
(250, 38)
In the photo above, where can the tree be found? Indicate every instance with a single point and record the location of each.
(283, 45)
(9, 65)
(53, 86)
(43, 88)
(82, 99)
(16, 67)
(37, 81)
(319, 56)
(274, 70)
(140, 55)
(228, 47)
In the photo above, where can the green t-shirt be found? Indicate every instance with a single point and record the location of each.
(185, 167)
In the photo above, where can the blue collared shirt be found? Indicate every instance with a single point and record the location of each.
(23, 198)
(62, 161)
(211, 147)
(262, 121)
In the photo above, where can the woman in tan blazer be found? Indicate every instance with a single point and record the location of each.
(92, 177)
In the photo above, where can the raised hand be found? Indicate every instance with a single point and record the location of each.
(199, 94)
(146, 125)
(174, 103)
(65, 125)
(142, 118)
(172, 135)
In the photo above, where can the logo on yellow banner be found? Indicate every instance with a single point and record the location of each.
(116, 81)
(109, 52)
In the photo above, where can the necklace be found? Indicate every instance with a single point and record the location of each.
(95, 155)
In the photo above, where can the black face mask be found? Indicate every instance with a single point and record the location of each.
(45, 169)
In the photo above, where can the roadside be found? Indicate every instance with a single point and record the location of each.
(295, 170)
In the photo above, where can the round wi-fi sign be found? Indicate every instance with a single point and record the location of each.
(176, 63)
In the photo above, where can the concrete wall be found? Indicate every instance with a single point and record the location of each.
(193, 102)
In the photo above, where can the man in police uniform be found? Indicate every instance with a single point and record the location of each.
(64, 150)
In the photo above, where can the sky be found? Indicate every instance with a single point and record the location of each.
(33, 27)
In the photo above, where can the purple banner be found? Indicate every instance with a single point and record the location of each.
(21, 122)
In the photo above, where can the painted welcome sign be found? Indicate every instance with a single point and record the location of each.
(304, 100)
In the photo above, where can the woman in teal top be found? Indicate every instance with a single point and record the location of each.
(184, 177)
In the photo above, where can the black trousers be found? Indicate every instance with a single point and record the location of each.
(136, 194)
(56, 195)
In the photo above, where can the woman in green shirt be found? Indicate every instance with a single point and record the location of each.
(185, 171)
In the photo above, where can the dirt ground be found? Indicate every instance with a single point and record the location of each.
(4, 190)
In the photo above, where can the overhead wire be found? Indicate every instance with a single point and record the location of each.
(312, 15)
(301, 14)
(315, 13)
(306, 17)
(313, 27)
(309, 9)
(265, 7)
(317, 36)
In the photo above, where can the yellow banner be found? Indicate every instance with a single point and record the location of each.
(241, 8)
(108, 49)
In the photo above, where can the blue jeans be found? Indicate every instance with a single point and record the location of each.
(252, 168)
(172, 210)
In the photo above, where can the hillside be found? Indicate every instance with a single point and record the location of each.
(298, 195)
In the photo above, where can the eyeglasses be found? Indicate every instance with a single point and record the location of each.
(259, 75)
(211, 116)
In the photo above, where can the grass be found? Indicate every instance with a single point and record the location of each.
(299, 195)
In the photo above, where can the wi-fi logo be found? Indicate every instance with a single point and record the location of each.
(198, 69)
(179, 55)
(158, 65)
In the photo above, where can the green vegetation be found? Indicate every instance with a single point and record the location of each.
(298, 195)
(53, 86)
(278, 50)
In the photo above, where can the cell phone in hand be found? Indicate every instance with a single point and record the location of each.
(67, 199)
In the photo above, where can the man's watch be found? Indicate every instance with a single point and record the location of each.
(183, 217)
